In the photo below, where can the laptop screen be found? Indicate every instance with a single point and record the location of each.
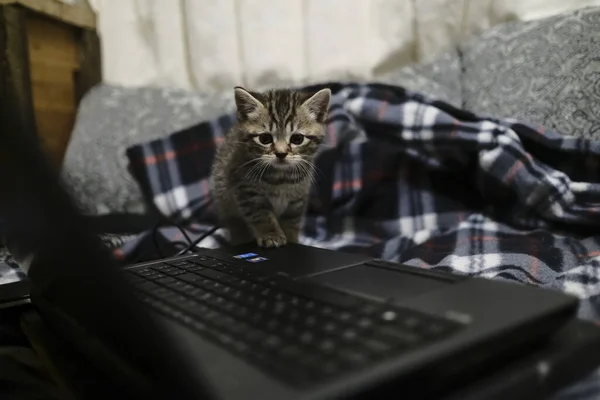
(73, 277)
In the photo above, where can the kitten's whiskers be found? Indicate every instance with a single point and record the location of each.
(252, 173)
(309, 169)
(266, 166)
(248, 162)
(313, 167)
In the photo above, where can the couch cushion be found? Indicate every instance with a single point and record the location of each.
(439, 78)
(545, 71)
(109, 120)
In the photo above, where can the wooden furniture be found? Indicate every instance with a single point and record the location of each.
(49, 58)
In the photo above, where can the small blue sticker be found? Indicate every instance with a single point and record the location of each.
(244, 256)
(256, 259)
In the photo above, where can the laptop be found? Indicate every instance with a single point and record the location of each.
(294, 322)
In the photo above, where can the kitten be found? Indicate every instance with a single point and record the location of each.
(264, 168)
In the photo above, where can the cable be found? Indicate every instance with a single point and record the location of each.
(158, 225)
(198, 240)
(190, 244)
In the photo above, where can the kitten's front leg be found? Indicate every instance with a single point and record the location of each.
(258, 215)
(291, 220)
(238, 231)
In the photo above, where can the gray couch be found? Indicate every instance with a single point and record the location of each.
(546, 71)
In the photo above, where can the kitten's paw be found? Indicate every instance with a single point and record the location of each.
(272, 240)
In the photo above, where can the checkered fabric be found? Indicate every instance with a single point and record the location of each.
(411, 179)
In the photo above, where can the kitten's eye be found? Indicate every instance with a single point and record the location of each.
(265, 138)
(297, 139)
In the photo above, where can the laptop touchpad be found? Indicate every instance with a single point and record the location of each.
(379, 282)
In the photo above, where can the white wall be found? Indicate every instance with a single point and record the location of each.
(215, 44)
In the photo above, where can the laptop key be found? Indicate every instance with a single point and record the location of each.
(344, 316)
(310, 321)
(187, 289)
(364, 323)
(189, 277)
(208, 263)
(165, 281)
(350, 335)
(172, 271)
(255, 335)
(187, 265)
(179, 263)
(436, 329)
(327, 346)
(173, 298)
(399, 335)
(145, 272)
(411, 322)
(353, 357)
(177, 272)
(200, 310)
(315, 292)
(272, 343)
(378, 346)
(291, 352)
(330, 327)
(329, 367)
(370, 309)
(211, 274)
(161, 291)
(189, 305)
(307, 338)
(310, 361)
(156, 276)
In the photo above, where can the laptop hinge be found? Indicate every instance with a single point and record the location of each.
(407, 269)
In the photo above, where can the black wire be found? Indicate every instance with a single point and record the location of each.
(179, 244)
(160, 224)
(155, 241)
(187, 237)
(191, 244)
(198, 240)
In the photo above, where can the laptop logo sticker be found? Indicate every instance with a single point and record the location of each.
(245, 256)
(256, 259)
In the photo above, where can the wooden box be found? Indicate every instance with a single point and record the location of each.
(49, 58)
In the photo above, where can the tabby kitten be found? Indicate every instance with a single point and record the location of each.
(264, 168)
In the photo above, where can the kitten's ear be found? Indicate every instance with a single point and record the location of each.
(247, 103)
(318, 105)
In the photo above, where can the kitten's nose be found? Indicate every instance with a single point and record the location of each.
(281, 156)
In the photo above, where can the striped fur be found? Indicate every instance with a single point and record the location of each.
(264, 168)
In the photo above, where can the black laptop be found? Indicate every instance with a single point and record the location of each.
(295, 322)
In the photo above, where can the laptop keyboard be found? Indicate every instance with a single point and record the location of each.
(301, 333)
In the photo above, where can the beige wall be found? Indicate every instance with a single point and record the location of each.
(214, 44)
